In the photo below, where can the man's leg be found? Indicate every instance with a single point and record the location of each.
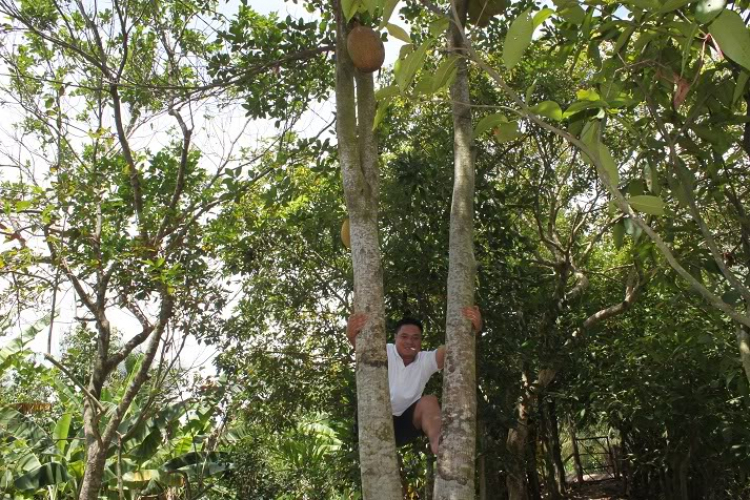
(428, 419)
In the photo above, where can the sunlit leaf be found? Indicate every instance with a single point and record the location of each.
(408, 69)
(733, 37)
(398, 32)
(517, 39)
(444, 72)
(618, 234)
(550, 109)
(739, 87)
(541, 16)
(388, 8)
(648, 204)
(439, 26)
(506, 132)
(379, 115)
(387, 93)
(488, 122)
(707, 10)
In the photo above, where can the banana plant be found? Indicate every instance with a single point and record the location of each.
(165, 443)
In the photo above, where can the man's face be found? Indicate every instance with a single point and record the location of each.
(408, 342)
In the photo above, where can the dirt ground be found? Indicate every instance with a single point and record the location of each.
(605, 489)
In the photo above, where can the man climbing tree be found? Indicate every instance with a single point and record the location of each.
(409, 370)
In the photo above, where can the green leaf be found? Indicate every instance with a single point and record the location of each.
(739, 87)
(488, 122)
(45, 475)
(439, 26)
(647, 204)
(731, 34)
(372, 6)
(550, 109)
(573, 14)
(404, 52)
(588, 95)
(517, 39)
(379, 114)
(671, 5)
(618, 234)
(608, 164)
(590, 137)
(60, 434)
(398, 32)
(541, 16)
(707, 10)
(387, 93)
(506, 132)
(623, 39)
(408, 68)
(689, 39)
(388, 8)
(424, 85)
(444, 73)
(643, 4)
(652, 179)
(141, 476)
(579, 106)
(350, 7)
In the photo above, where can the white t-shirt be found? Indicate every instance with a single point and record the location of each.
(407, 383)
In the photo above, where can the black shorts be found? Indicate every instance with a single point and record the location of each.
(403, 426)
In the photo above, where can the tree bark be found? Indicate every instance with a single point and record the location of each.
(457, 453)
(429, 480)
(359, 165)
(516, 444)
(554, 436)
(551, 486)
(534, 492)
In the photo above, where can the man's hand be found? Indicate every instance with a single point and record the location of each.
(474, 314)
(354, 325)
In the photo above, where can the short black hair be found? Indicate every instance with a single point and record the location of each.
(409, 321)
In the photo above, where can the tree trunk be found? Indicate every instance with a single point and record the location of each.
(743, 340)
(359, 165)
(91, 483)
(429, 480)
(554, 435)
(551, 486)
(456, 456)
(482, 461)
(535, 492)
(516, 444)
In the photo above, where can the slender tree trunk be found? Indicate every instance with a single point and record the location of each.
(551, 486)
(535, 492)
(743, 341)
(555, 442)
(482, 461)
(92, 479)
(359, 165)
(516, 444)
(429, 483)
(457, 454)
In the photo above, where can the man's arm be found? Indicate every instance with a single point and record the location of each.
(475, 315)
(354, 325)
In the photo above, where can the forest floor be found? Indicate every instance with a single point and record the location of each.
(602, 489)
